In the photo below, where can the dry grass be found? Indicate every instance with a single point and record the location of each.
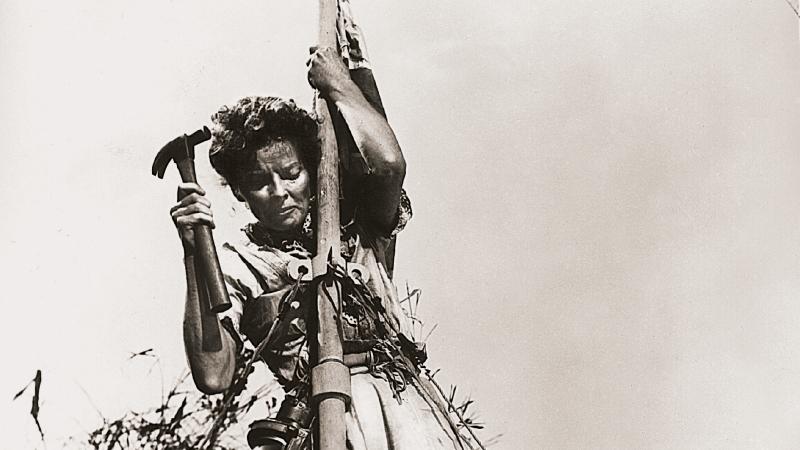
(185, 419)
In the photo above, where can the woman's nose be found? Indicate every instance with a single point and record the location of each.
(278, 188)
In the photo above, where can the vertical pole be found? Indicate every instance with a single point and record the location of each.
(330, 378)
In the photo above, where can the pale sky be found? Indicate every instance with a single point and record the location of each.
(606, 228)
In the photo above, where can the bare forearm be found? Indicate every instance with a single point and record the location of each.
(212, 368)
(378, 145)
(372, 134)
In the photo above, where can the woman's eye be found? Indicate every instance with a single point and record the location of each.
(292, 173)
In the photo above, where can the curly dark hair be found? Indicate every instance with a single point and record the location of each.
(253, 122)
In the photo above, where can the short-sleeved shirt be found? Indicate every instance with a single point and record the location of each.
(256, 271)
(259, 283)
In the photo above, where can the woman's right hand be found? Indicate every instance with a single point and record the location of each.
(192, 209)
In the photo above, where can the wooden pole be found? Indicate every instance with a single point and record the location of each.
(330, 378)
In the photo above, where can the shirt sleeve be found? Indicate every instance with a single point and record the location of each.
(404, 213)
(401, 218)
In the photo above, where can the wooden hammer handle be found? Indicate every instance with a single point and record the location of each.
(206, 252)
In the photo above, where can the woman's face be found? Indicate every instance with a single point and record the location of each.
(277, 189)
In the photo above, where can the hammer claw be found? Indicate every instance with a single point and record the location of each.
(174, 149)
(159, 167)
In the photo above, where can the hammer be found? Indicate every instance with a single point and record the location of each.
(181, 149)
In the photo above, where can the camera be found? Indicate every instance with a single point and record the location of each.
(288, 430)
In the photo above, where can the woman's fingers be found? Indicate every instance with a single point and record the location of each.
(320, 56)
(191, 199)
(197, 218)
(185, 189)
(326, 70)
(312, 52)
(193, 210)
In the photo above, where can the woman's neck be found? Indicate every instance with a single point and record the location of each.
(264, 235)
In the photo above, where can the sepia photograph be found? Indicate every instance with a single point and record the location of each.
(400, 225)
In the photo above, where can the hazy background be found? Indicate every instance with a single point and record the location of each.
(606, 220)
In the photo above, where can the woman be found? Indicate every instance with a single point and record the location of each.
(266, 150)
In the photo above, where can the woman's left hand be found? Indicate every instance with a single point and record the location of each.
(326, 71)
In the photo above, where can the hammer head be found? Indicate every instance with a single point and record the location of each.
(178, 149)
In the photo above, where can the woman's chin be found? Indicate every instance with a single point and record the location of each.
(286, 225)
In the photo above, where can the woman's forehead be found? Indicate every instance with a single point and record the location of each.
(276, 154)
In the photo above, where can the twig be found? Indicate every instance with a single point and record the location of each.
(455, 410)
(37, 383)
(91, 402)
(430, 332)
(796, 12)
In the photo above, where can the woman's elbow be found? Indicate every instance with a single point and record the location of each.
(391, 166)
